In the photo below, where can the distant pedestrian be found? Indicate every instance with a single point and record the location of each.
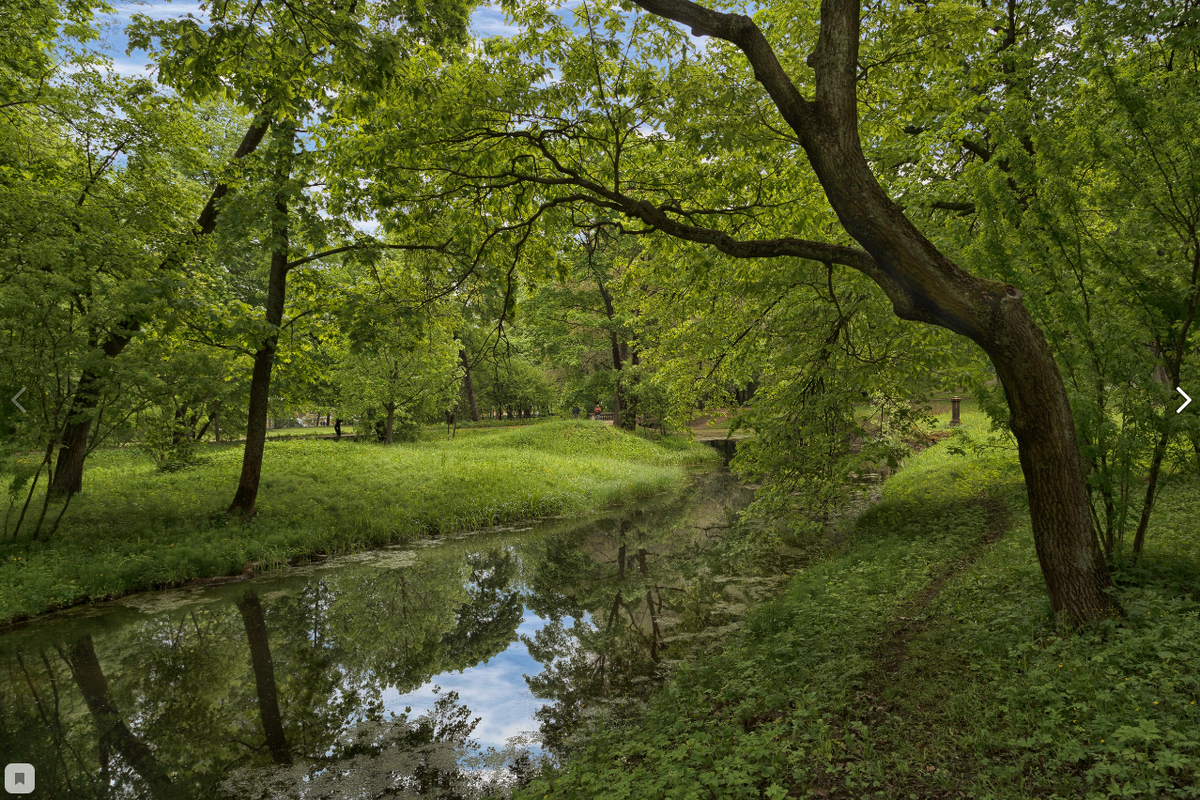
(597, 411)
(575, 411)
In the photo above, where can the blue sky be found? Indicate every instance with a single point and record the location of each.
(495, 690)
(485, 21)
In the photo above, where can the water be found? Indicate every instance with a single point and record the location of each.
(444, 669)
(726, 447)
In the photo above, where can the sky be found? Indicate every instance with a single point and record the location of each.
(495, 690)
(486, 21)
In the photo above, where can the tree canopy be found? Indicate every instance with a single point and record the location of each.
(364, 209)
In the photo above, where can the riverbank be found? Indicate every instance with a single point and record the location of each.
(134, 528)
(919, 659)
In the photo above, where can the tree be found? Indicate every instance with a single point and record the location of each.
(580, 324)
(398, 353)
(531, 137)
(109, 342)
(1063, 164)
(288, 70)
(110, 169)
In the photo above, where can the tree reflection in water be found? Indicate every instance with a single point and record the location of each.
(277, 688)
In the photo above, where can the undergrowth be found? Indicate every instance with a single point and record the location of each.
(134, 527)
(921, 660)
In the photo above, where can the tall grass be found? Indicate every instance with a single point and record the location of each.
(136, 528)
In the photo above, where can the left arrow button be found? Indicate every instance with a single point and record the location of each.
(14, 400)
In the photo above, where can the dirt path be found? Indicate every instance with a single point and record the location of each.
(892, 653)
(893, 669)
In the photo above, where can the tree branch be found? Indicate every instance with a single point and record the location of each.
(740, 31)
(254, 135)
(346, 248)
(963, 208)
(977, 149)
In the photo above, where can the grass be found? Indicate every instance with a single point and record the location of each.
(134, 528)
(920, 660)
(312, 431)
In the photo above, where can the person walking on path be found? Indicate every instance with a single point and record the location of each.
(597, 416)
(575, 411)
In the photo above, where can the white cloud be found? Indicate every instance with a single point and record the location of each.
(158, 9)
(490, 21)
(132, 65)
(495, 691)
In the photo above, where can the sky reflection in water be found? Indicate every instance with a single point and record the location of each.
(293, 679)
(495, 690)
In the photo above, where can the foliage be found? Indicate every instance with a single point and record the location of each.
(920, 658)
(1068, 168)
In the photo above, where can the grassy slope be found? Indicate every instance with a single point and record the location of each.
(135, 528)
(921, 661)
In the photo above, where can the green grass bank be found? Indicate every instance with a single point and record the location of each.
(919, 660)
(134, 528)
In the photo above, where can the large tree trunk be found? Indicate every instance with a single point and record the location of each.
(264, 677)
(469, 385)
(68, 471)
(264, 360)
(924, 285)
(389, 422)
(89, 677)
(68, 468)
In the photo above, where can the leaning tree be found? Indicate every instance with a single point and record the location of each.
(522, 127)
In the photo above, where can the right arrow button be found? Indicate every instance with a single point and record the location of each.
(1186, 399)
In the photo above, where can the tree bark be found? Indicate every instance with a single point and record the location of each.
(68, 467)
(629, 410)
(469, 385)
(264, 676)
(615, 342)
(389, 422)
(246, 497)
(89, 677)
(1139, 538)
(68, 471)
(924, 285)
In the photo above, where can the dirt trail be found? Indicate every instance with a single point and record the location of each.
(880, 705)
(892, 652)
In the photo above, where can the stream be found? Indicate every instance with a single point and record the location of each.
(445, 668)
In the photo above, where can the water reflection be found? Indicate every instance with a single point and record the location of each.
(444, 671)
